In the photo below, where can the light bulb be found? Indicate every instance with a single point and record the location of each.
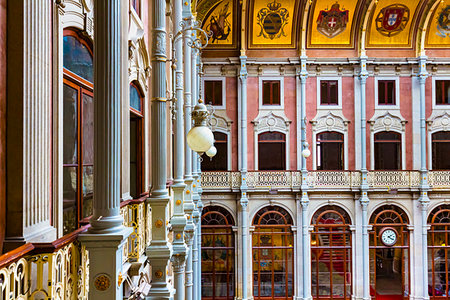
(200, 139)
(306, 153)
(212, 151)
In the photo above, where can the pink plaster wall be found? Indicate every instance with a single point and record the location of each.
(428, 106)
(311, 111)
(232, 113)
(406, 111)
(370, 111)
(348, 110)
(289, 109)
(252, 113)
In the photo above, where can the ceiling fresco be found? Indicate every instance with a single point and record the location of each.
(391, 24)
(438, 31)
(273, 23)
(218, 18)
(332, 23)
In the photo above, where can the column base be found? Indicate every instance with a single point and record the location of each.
(105, 263)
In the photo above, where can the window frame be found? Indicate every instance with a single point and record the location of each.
(286, 145)
(224, 92)
(396, 93)
(317, 156)
(433, 93)
(431, 166)
(227, 142)
(262, 106)
(86, 87)
(339, 93)
(401, 150)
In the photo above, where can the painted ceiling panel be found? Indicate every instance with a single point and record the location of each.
(332, 23)
(219, 18)
(438, 31)
(391, 24)
(272, 23)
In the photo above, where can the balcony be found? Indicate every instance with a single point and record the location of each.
(260, 181)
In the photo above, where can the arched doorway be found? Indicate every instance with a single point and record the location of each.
(331, 254)
(273, 254)
(217, 254)
(389, 253)
(439, 253)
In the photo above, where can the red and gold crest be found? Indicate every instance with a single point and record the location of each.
(332, 22)
(392, 19)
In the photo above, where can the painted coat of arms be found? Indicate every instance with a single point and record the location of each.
(332, 22)
(219, 25)
(443, 23)
(392, 19)
(272, 20)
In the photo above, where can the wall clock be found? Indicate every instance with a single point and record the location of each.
(388, 236)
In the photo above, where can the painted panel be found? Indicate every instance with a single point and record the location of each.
(332, 24)
(272, 23)
(438, 31)
(218, 18)
(391, 24)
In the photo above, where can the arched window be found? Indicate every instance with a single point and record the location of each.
(78, 131)
(220, 161)
(272, 151)
(273, 254)
(136, 140)
(331, 254)
(440, 150)
(217, 254)
(330, 151)
(439, 253)
(388, 153)
(389, 252)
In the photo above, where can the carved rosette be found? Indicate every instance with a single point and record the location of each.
(387, 122)
(439, 123)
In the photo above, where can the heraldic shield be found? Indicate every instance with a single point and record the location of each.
(332, 22)
(392, 19)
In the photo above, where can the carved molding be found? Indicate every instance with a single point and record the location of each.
(270, 121)
(329, 121)
(387, 122)
(439, 122)
(220, 122)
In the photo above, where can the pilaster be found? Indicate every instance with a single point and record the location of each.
(28, 126)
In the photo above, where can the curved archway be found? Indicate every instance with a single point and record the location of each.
(217, 254)
(389, 252)
(331, 253)
(439, 252)
(273, 254)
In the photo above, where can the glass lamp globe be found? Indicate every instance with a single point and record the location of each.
(212, 151)
(200, 139)
(306, 153)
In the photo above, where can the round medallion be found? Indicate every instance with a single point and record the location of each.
(445, 121)
(330, 121)
(271, 121)
(388, 236)
(387, 121)
(102, 282)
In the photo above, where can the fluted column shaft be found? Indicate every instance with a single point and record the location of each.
(107, 116)
(159, 251)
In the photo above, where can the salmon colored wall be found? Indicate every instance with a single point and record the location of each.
(406, 111)
(428, 106)
(311, 111)
(2, 121)
(289, 110)
(232, 113)
(370, 111)
(252, 113)
(348, 110)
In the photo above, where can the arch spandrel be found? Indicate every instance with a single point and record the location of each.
(392, 24)
(438, 27)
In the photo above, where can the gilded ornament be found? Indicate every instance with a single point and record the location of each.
(272, 20)
(159, 274)
(443, 22)
(119, 279)
(392, 19)
(159, 223)
(102, 282)
(219, 25)
(178, 236)
(178, 202)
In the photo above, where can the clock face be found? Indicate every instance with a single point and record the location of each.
(389, 237)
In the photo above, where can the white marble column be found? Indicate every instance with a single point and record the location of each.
(28, 127)
(178, 220)
(107, 235)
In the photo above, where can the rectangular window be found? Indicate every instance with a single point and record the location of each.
(329, 92)
(442, 92)
(220, 161)
(213, 92)
(386, 92)
(271, 92)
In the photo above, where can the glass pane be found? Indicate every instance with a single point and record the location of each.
(266, 93)
(77, 58)
(88, 129)
(217, 93)
(133, 157)
(135, 98)
(70, 129)
(88, 190)
(69, 199)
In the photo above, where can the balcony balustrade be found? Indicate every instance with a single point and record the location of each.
(323, 180)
